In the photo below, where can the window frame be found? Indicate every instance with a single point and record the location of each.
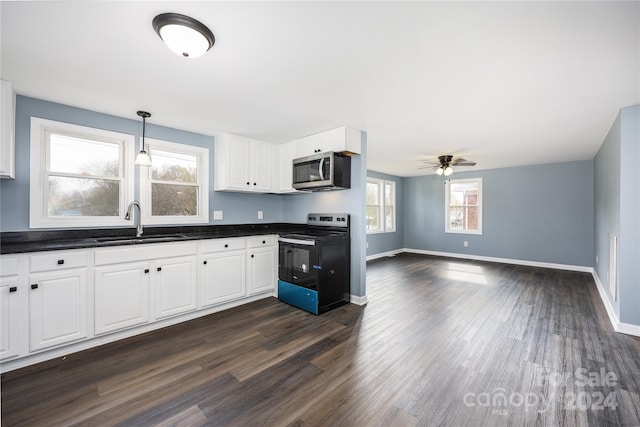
(382, 205)
(447, 206)
(202, 183)
(39, 173)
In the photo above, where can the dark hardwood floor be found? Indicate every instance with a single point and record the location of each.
(441, 342)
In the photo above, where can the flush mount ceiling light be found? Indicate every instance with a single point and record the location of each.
(143, 159)
(184, 35)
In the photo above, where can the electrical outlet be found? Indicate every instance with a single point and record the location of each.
(466, 244)
(260, 215)
(217, 215)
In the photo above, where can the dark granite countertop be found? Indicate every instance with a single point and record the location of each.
(36, 241)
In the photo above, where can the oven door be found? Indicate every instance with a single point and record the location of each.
(298, 262)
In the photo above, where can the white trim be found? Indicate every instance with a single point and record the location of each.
(624, 328)
(202, 155)
(359, 300)
(38, 188)
(384, 254)
(555, 266)
(447, 193)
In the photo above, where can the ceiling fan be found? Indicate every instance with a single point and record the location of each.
(445, 162)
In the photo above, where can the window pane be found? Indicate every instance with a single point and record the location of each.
(174, 200)
(83, 197)
(373, 221)
(463, 218)
(70, 154)
(388, 218)
(456, 218)
(464, 194)
(373, 190)
(174, 167)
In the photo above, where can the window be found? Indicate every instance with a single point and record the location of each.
(463, 204)
(175, 190)
(79, 176)
(381, 206)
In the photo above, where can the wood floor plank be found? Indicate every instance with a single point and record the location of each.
(441, 342)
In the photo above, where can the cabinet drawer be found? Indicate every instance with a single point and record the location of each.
(260, 241)
(9, 266)
(121, 254)
(218, 245)
(57, 261)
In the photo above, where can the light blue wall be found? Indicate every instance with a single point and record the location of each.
(606, 202)
(617, 211)
(14, 194)
(541, 213)
(629, 244)
(352, 201)
(385, 242)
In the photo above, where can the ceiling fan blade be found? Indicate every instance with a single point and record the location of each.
(465, 163)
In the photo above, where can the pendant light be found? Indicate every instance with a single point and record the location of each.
(143, 159)
(184, 35)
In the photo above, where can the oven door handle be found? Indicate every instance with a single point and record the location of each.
(321, 169)
(297, 241)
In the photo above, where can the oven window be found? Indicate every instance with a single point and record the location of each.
(301, 260)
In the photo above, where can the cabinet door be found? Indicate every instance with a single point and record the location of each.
(238, 163)
(262, 270)
(121, 296)
(334, 140)
(260, 166)
(175, 286)
(8, 317)
(223, 277)
(57, 308)
(287, 152)
(309, 145)
(7, 126)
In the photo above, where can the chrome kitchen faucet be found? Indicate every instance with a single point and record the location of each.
(138, 225)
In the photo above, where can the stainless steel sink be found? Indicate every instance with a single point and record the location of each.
(142, 239)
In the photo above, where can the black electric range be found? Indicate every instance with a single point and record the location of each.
(314, 265)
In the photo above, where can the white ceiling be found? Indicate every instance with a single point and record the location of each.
(501, 83)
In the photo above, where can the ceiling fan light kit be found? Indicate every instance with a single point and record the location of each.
(444, 163)
(185, 36)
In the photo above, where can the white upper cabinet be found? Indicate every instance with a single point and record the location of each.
(342, 139)
(243, 164)
(287, 152)
(7, 131)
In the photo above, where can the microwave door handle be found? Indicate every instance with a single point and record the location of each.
(321, 169)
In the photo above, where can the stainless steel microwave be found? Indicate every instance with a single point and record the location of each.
(322, 171)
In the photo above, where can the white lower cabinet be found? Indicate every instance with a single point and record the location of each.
(9, 316)
(223, 270)
(121, 295)
(223, 277)
(261, 264)
(161, 283)
(49, 299)
(175, 283)
(57, 308)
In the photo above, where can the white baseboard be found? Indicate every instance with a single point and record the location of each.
(384, 254)
(624, 328)
(555, 266)
(358, 300)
